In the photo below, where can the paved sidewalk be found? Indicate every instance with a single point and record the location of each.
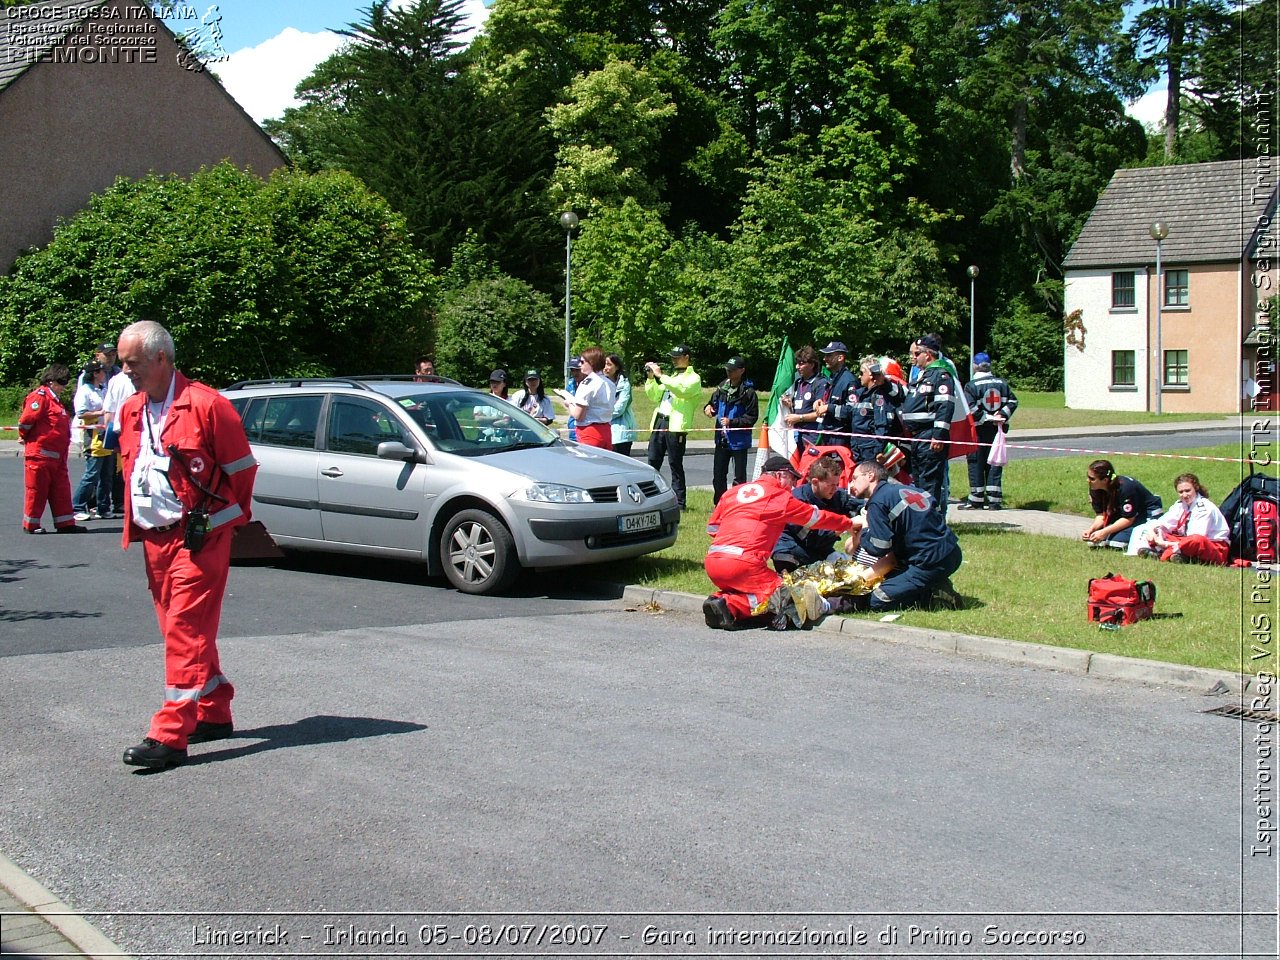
(35, 924)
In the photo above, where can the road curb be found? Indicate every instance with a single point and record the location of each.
(73, 928)
(1103, 666)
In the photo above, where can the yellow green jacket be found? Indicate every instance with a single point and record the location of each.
(686, 390)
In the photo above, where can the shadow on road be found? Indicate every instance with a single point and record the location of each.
(19, 616)
(306, 732)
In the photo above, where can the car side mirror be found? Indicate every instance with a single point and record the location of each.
(395, 450)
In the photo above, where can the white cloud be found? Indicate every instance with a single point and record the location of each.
(262, 78)
(1148, 109)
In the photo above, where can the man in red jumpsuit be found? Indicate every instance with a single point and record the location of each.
(188, 484)
(45, 429)
(744, 526)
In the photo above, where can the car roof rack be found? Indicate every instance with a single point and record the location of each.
(359, 383)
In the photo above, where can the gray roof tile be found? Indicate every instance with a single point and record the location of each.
(24, 38)
(1212, 210)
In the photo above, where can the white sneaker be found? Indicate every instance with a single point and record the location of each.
(82, 516)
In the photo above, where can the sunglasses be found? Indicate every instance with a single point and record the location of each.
(62, 383)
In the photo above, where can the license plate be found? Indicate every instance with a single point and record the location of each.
(639, 521)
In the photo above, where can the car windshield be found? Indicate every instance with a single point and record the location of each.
(473, 424)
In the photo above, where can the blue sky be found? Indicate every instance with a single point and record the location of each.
(247, 23)
(272, 45)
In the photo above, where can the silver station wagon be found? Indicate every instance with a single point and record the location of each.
(441, 474)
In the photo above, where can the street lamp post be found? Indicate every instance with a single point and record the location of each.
(1159, 230)
(568, 221)
(973, 276)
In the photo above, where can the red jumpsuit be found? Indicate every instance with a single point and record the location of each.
(187, 587)
(45, 428)
(745, 525)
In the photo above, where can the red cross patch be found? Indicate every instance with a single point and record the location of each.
(992, 399)
(916, 499)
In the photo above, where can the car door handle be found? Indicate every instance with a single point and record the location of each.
(331, 472)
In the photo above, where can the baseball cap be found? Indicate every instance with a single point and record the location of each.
(930, 343)
(680, 350)
(532, 375)
(980, 358)
(575, 363)
(835, 346)
(777, 463)
(106, 348)
(498, 376)
(735, 363)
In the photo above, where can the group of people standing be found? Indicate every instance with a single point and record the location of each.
(46, 426)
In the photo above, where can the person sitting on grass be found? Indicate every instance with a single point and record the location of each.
(1193, 529)
(1118, 504)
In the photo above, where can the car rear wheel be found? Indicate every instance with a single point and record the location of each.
(478, 553)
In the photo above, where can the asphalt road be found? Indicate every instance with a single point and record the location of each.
(411, 760)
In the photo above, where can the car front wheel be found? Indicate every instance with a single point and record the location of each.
(478, 553)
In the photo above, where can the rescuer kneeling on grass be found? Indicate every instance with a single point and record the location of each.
(744, 526)
(905, 539)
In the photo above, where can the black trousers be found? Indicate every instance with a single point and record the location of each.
(929, 472)
(664, 445)
(720, 470)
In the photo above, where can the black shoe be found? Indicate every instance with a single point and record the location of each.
(154, 755)
(717, 614)
(1176, 557)
(74, 528)
(945, 597)
(206, 731)
(37, 530)
(994, 506)
(970, 505)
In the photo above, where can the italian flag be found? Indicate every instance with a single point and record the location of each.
(775, 436)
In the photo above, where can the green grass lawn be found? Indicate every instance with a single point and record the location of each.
(1058, 484)
(1032, 588)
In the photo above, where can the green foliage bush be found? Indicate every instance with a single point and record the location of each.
(498, 322)
(1027, 345)
(301, 274)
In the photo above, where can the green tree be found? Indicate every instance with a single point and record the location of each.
(496, 322)
(301, 274)
(401, 107)
(1171, 35)
(608, 128)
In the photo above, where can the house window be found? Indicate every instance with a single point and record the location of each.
(1176, 288)
(1123, 368)
(1122, 290)
(1175, 368)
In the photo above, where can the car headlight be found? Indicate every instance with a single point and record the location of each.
(555, 493)
(663, 486)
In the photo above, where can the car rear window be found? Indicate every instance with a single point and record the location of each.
(282, 421)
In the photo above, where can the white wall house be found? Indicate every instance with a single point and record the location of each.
(1187, 341)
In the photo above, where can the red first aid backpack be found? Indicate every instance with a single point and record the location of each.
(1118, 600)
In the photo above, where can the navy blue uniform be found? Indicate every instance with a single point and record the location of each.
(798, 546)
(803, 394)
(1131, 501)
(837, 423)
(902, 520)
(741, 405)
(875, 411)
(989, 397)
(927, 413)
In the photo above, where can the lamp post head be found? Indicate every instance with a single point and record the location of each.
(972, 272)
(1159, 230)
(568, 220)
